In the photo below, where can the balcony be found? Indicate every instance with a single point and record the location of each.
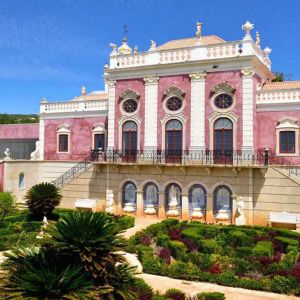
(183, 158)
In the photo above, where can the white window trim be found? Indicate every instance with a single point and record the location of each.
(63, 130)
(174, 91)
(287, 124)
(126, 95)
(98, 129)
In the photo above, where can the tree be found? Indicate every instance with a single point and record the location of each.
(42, 198)
(7, 205)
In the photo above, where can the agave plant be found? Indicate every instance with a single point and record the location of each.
(42, 198)
(42, 274)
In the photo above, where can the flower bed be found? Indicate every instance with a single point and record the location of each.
(258, 258)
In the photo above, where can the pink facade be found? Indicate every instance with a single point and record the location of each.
(138, 86)
(19, 131)
(183, 82)
(233, 78)
(1, 176)
(80, 137)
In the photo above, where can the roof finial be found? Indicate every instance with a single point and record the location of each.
(83, 90)
(257, 42)
(199, 30)
(125, 27)
(247, 27)
(125, 49)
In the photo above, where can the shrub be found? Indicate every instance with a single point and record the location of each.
(239, 238)
(227, 278)
(178, 249)
(165, 255)
(125, 222)
(248, 283)
(243, 251)
(175, 234)
(151, 264)
(211, 296)
(142, 289)
(192, 232)
(291, 256)
(279, 268)
(143, 250)
(145, 239)
(162, 240)
(175, 294)
(296, 271)
(284, 285)
(263, 248)
(7, 205)
(202, 260)
(285, 242)
(211, 246)
(42, 198)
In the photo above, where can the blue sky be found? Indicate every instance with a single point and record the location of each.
(49, 48)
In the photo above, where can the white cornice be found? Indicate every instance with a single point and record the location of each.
(286, 106)
(69, 115)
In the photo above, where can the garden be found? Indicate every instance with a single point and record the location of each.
(258, 258)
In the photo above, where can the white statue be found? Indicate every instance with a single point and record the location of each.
(113, 48)
(7, 154)
(35, 155)
(83, 90)
(109, 205)
(150, 198)
(173, 197)
(240, 220)
(153, 45)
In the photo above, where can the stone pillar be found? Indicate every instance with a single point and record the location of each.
(119, 209)
(151, 99)
(197, 111)
(185, 206)
(248, 106)
(111, 114)
(209, 208)
(139, 203)
(234, 199)
(161, 205)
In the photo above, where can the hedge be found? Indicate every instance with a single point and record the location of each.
(211, 296)
(263, 248)
(285, 242)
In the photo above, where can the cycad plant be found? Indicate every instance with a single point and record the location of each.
(42, 198)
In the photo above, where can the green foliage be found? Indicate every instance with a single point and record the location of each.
(211, 246)
(239, 238)
(211, 296)
(151, 264)
(175, 294)
(202, 260)
(178, 249)
(243, 251)
(291, 256)
(18, 119)
(285, 242)
(284, 285)
(125, 222)
(279, 77)
(7, 205)
(42, 198)
(162, 240)
(263, 248)
(142, 289)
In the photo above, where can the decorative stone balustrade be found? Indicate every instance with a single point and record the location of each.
(73, 106)
(278, 96)
(197, 53)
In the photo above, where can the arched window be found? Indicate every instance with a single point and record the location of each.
(99, 137)
(21, 181)
(129, 197)
(173, 197)
(150, 197)
(223, 139)
(129, 143)
(197, 198)
(222, 200)
(173, 140)
(63, 138)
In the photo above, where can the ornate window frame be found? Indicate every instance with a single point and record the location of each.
(63, 129)
(222, 88)
(287, 124)
(173, 91)
(213, 118)
(136, 119)
(127, 95)
(99, 129)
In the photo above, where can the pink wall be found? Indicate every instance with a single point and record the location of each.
(81, 137)
(183, 82)
(266, 134)
(138, 86)
(234, 78)
(1, 176)
(19, 131)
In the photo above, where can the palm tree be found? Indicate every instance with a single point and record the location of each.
(42, 198)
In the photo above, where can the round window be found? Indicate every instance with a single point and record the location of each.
(223, 101)
(174, 103)
(130, 106)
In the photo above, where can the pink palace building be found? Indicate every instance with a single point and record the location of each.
(193, 129)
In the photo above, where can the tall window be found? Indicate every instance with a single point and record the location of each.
(287, 141)
(99, 141)
(21, 181)
(129, 194)
(222, 199)
(129, 140)
(63, 143)
(150, 194)
(173, 139)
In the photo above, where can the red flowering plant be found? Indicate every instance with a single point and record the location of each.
(215, 269)
(296, 271)
(165, 254)
(145, 239)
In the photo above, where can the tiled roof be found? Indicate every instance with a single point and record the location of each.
(285, 85)
(91, 97)
(191, 42)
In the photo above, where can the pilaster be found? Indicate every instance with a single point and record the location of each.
(111, 114)
(209, 208)
(139, 203)
(185, 206)
(197, 111)
(248, 106)
(151, 95)
(161, 205)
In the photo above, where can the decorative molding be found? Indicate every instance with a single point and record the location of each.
(198, 76)
(63, 128)
(223, 87)
(247, 72)
(129, 94)
(151, 80)
(111, 83)
(173, 91)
